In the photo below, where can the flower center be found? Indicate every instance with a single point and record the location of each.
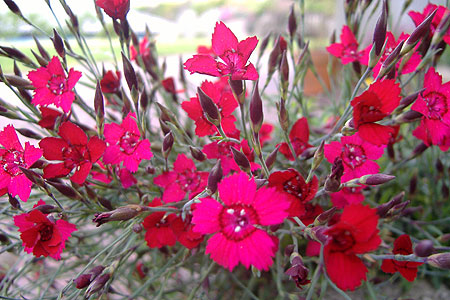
(11, 161)
(128, 142)
(237, 220)
(342, 240)
(353, 155)
(73, 156)
(57, 84)
(295, 187)
(46, 232)
(189, 180)
(437, 105)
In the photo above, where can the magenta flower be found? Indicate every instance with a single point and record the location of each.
(12, 157)
(357, 155)
(125, 145)
(233, 56)
(53, 86)
(433, 104)
(418, 18)
(299, 136)
(74, 150)
(347, 196)
(347, 49)
(236, 223)
(183, 179)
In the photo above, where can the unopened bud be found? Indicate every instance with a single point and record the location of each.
(284, 72)
(209, 107)
(130, 74)
(441, 30)
(97, 284)
(237, 87)
(16, 54)
(197, 153)
(13, 201)
(406, 101)
(379, 35)
(292, 22)
(419, 150)
(82, 281)
(241, 160)
(333, 181)
(308, 153)
(271, 158)
(99, 107)
(122, 213)
(424, 248)
(65, 190)
(13, 7)
(391, 60)
(215, 176)
(283, 116)
(256, 110)
(325, 217)
(167, 144)
(274, 56)
(264, 44)
(137, 228)
(444, 238)
(383, 209)
(316, 233)
(418, 34)
(441, 260)
(17, 81)
(41, 61)
(289, 249)
(439, 166)
(408, 117)
(375, 179)
(58, 44)
(33, 177)
(46, 208)
(318, 156)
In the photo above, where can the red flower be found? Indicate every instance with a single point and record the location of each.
(162, 229)
(144, 49)
(347, 196)
(124, 144)
(418, 18)
(347, 49)
(434, 104)
(407, 269)
(116, 9)
(188, 237)
(355, 233)
(234, 55)
(183, 179)
(235, 224)
(13, 156)
(356, 154)
(42, 235)
(74, 150)
(299, 137)
(292, 184)
(53, 86)
(226, 103)
(373, 105)
(265, 133)
(49, 117)
(110, 82)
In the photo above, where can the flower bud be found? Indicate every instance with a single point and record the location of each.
(98, 283)
(241, 160)
(46, 208)
(209, 107)
(13, 7)
(308, 153)
(41, 61)
(298, 272)
(16, 54)
(82, 281)
(439, 166)
(130, 74)
(440, 260)
(379, 35)
(284, 72)
(383, 209)
(197, 153)
(98, 103)
(408, 117)
(318, 157)
(418, 33)
(14, 202)
(58, 44)
(441, 30)
(105, 203)
(391, 60)
(292, 22)
(325, 217)
(65, 190)
(283, 116)
(122, 213)
(29, 133)
(274, 57)
(137, 228)
(214, 177)
(167, 144)
(256, 110)
(272, 157)
(375, 179)
(34, 177)
(419, 150)
(264, 44)
(237, 87)
(289, 249)
(16, 81)
(333, 181)
(316, 234)
(424, 248)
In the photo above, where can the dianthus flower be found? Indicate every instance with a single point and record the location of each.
(49, 117)
(376, 103)
(433, 104)
(418, 18)
(347, 49)
(355, 233)
(293, 185)
(110, 82)
(407, 269)
(125, 145)
(53, 86)
(183, 179)
(299, 136)
(43, 235)
(357, 155)
(12, 157)
(73, 150)
(226, 103)
(233, 56)
(236, 239)
(346, 196)
(116, 9)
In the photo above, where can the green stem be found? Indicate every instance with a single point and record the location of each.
(200, 281)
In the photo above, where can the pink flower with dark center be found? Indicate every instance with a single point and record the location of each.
(125, 145)
(433, 104)
(12, 157)
(53, 86)
(73, 150)
(347, 49)
(418, 18)
(299, 137)
(347, 196)
(293, 185)
(233, 56)
(357, 155)
(183, 179)
(237, 237)
(226, 103)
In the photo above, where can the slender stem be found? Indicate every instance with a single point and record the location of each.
(314, 281)
(241, 106)
(399, 257)
(200, 281)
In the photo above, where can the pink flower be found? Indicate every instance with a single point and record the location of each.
(49, 117)
(53, 86)
(347, 196)
(433, 104)
(110, 82)
(124, 144)
(183, 179)
(347, 49)
(376, 103)
(357, 155)
(299, 137)
(418, 18)
(116, 9)
(226, 103)
(233, 55)
(73, 150)
(13, 156)
(42, 235)
(235, 238)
